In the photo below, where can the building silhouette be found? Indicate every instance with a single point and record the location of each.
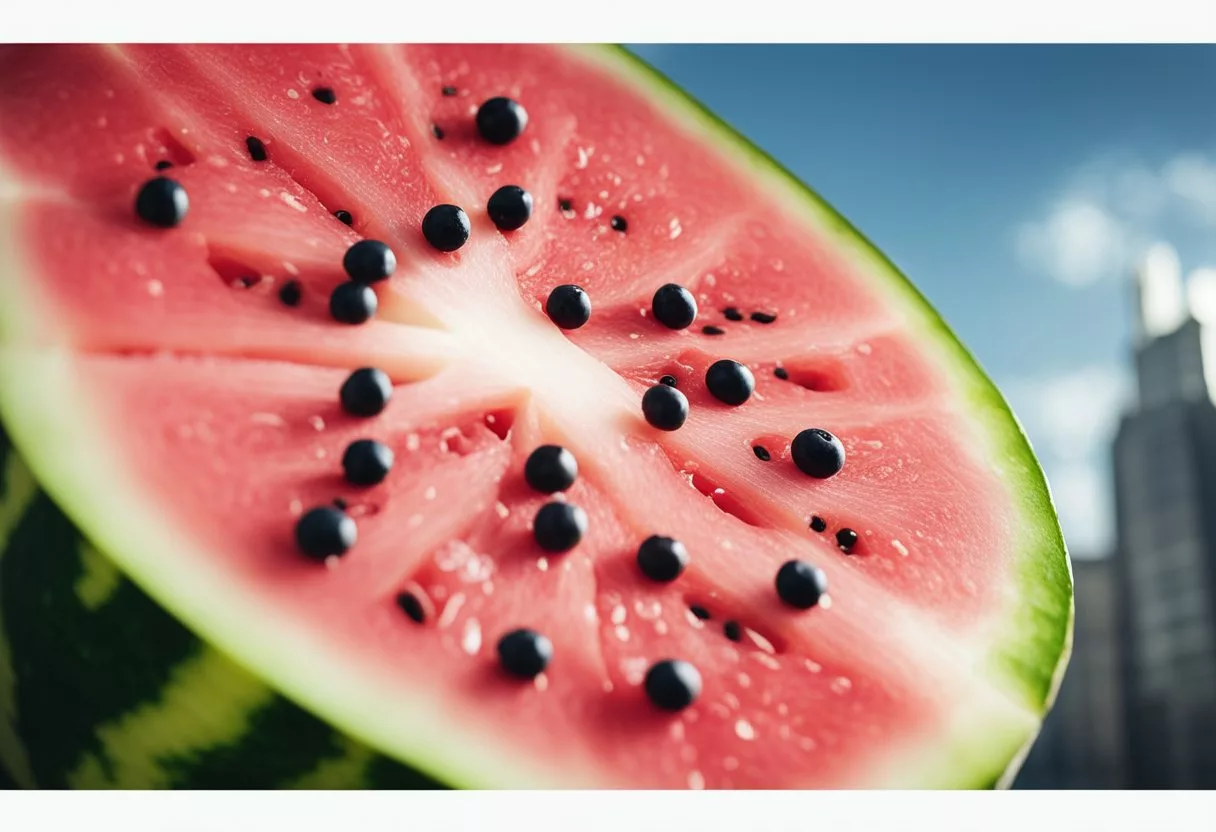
(1137, 708)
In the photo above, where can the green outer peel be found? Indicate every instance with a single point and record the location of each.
(121, 743)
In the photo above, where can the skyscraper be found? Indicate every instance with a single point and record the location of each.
(1165, 498)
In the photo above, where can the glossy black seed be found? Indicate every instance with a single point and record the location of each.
(761, 453)
(291, 293)
(665, 408)
(662, 558)
(550, 468)
(163, 164)
(325, 95)
(732, 630)
(162, 202)
(509, 207)
(619, 223)
(699, 612)
(367, 462)
(846, 539)
(730, 382)
(411, 606)
(449, 91)
(800, 585)
(437, 131)
(672, 684)
(732, 313)
(446, 227)
(564, 205)
(324, 532)
(369, 261)
(568, 306)
(818, 524)
(257, 150)
(674, 306)
(353, 303)
(344, 216)
(524, 653)
(713, 330)
(763, 317)
(559, 527)
(501, 120)
(817, 453)
(340, 503)
(670, 381)
(782, 373)
(366, 392)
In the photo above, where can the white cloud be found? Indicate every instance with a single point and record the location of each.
(1071, 419)
(1077, 243)
(1110, 210)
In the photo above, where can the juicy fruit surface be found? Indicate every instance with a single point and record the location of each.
(219, 409)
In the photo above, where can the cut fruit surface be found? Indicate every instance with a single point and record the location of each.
(184, 417)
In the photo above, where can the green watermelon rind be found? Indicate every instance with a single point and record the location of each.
(38, 398)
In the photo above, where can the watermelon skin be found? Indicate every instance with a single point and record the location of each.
(180, 715)
(1027, 658)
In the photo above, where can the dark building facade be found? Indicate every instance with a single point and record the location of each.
(1165, 489)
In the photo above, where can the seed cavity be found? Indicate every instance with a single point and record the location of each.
(761, 453)
(175, 153)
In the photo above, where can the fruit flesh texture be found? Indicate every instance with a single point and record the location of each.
(246, 401)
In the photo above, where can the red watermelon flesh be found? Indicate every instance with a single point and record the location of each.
(185, 418)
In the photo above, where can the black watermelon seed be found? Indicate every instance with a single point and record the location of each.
(509, 207)
(763, 317)
(524, 653)
(672, 684)
(762, 453)
(369, 261)
(367, 462)
(257, 150)
(353, 303)
(817, 453)
(732, 313)
(344, 217)
(818, 524)
(670, 381)
(550, 468)
(730, 382)
(446, 227)
(782, 373)
(800, 585)
(674, 306)
(366, 392)
(732, 630)
(325, 95)
(846, 539)
(665, 408)
(662, 558)
(568, 306)
(501, 120)
(620, 224)
(564, 205)
(699, 612)
(448, 91)
(340, 503)
(325, 532)
(411, 606)
(162, 202)
(163, 164)
(713, 330)
(559, 527)
(291, 293)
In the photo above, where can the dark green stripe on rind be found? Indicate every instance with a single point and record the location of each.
(112, 691)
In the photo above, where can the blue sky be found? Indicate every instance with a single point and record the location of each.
(1015, 185)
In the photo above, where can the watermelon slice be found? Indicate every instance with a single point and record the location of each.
(174, 391)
